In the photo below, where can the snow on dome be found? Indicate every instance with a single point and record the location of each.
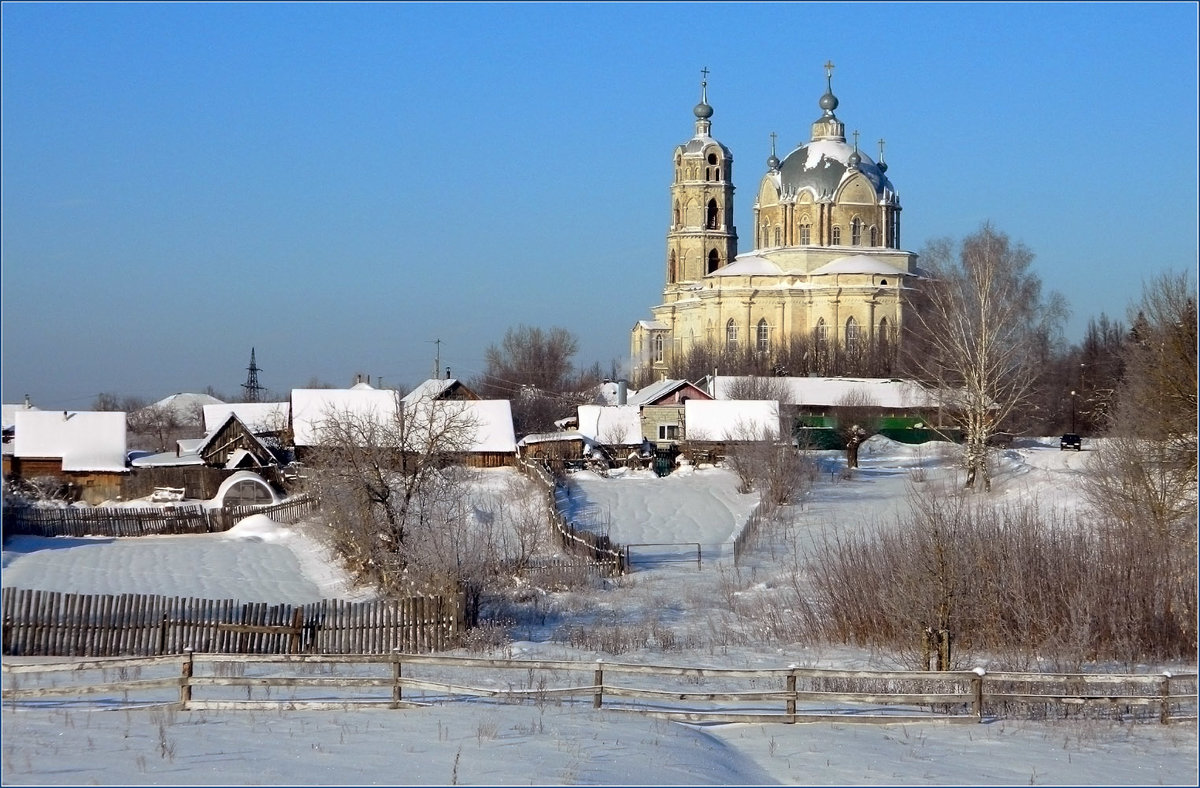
(258, 528)
(858, 264)
(749, 265)
(822, 165)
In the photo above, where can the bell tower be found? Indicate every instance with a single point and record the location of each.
(701, 238)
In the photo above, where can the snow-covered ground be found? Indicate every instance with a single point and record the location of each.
(483, 743)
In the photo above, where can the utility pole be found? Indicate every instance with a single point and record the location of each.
(437, 360)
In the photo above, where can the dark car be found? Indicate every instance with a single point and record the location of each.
(1071, 441)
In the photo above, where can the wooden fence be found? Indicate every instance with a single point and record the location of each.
(121, 521)
(594, 547)
(52, 624)
(200, 681)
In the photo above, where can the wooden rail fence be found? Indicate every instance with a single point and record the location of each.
(119, 521)
(52, 624)
(195, 681)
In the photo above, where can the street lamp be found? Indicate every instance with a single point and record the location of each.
(1072, 411)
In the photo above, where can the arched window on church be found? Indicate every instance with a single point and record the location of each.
(855, 232)
(853, 338)
(672, 268)
(764, 237)
(805, 232)
(658, 348)
(821, 333)
(714, 261)
(763, 340)
(836, 238)
(676, 214)
(874, 236)
(778, 236)
(712, 172)
(884, 332)
(731, 337)
(713, 215)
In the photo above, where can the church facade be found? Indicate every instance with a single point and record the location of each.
(827, 272)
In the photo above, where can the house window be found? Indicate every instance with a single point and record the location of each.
(837, 235)
(713, 215)
(658, 348)
(855, 232)
(731, 338)
(714, 261)
(852, 334)
(763, 340)
(668, 432)
(805, 232)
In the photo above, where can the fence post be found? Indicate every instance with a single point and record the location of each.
(926, 647)
(1164, 692)
(162, 635)
(598, 698)
(397, 690)
(185, 683)
(791, 691)
(977, 687)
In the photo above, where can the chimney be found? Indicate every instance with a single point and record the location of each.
(28, 404)
(622, 391)
(447, 373)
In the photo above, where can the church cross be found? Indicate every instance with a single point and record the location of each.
(856, 139)
(828, 69)
(881, 148)
(773, 135)
(704, 72)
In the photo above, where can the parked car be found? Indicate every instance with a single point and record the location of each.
(1071, 441)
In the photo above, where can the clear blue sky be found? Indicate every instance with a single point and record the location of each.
(338, 185)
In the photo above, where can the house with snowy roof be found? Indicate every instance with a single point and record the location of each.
(261, 418)
(84, 450)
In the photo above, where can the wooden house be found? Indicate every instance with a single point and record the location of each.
(661, 406)
(84, 450)
(233, 445)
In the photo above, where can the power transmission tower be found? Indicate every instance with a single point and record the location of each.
(251, 387)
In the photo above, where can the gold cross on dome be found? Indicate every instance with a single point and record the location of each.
(828, 68)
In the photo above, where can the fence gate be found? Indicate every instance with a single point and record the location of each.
(651, 554)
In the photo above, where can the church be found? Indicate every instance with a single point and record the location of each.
(826, 279)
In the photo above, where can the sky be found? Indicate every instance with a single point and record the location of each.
(372, 188)
(106, 741)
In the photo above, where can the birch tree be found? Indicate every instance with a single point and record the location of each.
(977, 330)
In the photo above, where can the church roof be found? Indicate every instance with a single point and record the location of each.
(820, 167)
(749, 265)
(857, 264)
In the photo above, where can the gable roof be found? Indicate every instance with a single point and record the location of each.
(439, 388)
(10, 412)
(83, 440)
(234, 430)
(257, 416)
(657, 392)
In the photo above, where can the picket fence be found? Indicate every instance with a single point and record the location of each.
(609, 557)
(53, 624)
(119, 521)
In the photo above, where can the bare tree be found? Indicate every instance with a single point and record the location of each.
(980, 322)
(856, 419)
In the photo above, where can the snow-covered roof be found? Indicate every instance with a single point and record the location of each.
(257, 416)
(430, 389)
(552, 437)
(653, 325)
(311, 407)
(731, 419)
(491, 419)
(187, 407)
(168, 459)
(10, 412)
(858, 264)
(612, 425)
(654, 391)
(892, 393)
(749, 265)
(84, 440)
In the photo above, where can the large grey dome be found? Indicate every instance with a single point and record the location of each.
(821, 166)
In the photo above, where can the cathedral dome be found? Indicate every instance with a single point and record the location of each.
(820, 167)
